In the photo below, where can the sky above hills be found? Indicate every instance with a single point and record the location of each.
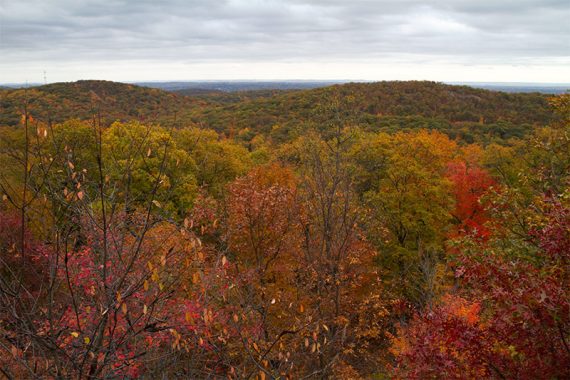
(134, 40)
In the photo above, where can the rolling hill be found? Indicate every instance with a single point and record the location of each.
(84, 99)
(381, 99)
(460, 111)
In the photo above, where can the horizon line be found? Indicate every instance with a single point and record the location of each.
(467, 82)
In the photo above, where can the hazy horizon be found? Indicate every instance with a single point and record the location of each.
(292, 80)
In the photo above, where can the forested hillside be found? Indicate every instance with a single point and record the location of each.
(83, 99)
(407, 230)
(389, 106)
(458, 111)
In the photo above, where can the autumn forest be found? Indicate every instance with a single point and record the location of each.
(388, 230)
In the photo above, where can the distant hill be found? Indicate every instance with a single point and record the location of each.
(83, 99)
(384, 105)
(459, 111)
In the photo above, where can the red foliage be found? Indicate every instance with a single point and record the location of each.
(554, 238)
(147, 311)
(106, 317)
(445, 342)
(33, 264)
(523, 329)
(469, 184)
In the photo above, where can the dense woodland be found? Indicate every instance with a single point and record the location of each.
(408, 230)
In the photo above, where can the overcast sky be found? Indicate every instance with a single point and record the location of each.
(131, 40)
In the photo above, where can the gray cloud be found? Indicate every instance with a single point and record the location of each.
(483, 32)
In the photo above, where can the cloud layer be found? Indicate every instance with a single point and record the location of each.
(97, 38)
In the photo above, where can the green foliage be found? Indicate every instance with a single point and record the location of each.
(138, 154)
(403, 184)
(218, 160)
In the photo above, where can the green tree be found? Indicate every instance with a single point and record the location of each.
(218, 161)
(409, 202)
